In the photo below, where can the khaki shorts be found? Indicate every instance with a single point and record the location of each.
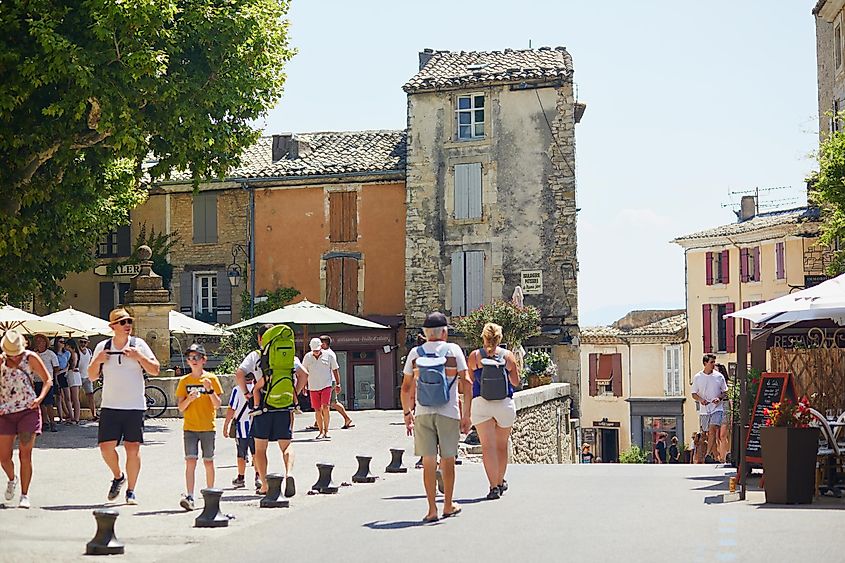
(503, 411)
(433, 431)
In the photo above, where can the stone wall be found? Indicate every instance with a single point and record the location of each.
(541, 433)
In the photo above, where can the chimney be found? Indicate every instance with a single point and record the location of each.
(281, 145)
(425, 56)
(299, 148)
(747, 208)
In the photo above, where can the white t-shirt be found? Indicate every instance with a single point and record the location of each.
(237, 402)
(708, 387)
(450, 409)
(84, 361)
(51, 361)
(252, 364)
(320, 370)
(123, 378)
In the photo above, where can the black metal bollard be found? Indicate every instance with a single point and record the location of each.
(324, 484)
(273, 498)
(211, 517)
(105, 542)
(396, 462)
(363, 474)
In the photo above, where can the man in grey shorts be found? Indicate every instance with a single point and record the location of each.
(437, 429)
(709, 389)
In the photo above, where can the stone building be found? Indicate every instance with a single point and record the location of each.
(491, 189)
(830, 66)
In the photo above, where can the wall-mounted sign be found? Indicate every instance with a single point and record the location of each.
(532, 282)
(605, 424)
(588, 435)
(121, 270)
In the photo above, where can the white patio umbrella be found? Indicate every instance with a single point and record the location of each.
(823, 301)
(20, 320)
(81, 321)
(183, 324)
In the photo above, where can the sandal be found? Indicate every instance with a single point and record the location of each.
(347, 426)
(430, 519)
(455, 512)
(312, 427)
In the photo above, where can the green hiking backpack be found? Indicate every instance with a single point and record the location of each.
(277, 367)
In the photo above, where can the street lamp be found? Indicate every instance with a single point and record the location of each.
(234, 275)
(234, 272)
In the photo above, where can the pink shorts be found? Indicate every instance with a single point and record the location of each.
(22, 422)
(321, 398)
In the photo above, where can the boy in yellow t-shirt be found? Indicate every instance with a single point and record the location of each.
(198, 396)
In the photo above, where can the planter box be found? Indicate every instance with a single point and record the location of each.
(789, 464)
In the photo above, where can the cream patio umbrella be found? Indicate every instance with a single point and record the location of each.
(20, 320)
(183, 324)
(81, 321)
(823, 301)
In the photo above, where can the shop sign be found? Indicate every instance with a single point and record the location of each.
(588, 435)
(605, 424)
(532, 282)
(119, 270)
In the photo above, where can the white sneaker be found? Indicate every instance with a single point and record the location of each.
(10, 488)
(24, 502)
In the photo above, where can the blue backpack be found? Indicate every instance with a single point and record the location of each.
(433, 386)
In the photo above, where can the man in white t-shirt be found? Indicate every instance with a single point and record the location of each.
(326, 343)
(437, 429)
(51, 362)
(323, 374)
(709, 389)
(123, 359)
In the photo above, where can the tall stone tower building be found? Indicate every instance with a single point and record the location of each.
(491, 189)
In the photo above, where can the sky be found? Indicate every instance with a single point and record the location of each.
(687, 104)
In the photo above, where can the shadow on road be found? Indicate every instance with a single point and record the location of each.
(63, 507)
(161, 512)
(405, 497)
(398, 525)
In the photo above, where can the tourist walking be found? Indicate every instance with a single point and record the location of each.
(708, 390)
(659, 452)
(61, 387)
(238, 424)
(326, 343)
(20, 413)
(494, 374)
(323, 374)
(198, 395)
(51, 363)
(122, 360)
(74, 380)
(587, 454)
(674, 451)
(725, 434)
(433, 374)
(276, 424)
(87, 385)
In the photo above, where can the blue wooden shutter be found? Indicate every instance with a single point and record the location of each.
(224, 298)
(462, 191)
(211, 217)
(186, 293)
(199, 218)
(124, 242)
(474, 289)
(458, 293)
(474, 191)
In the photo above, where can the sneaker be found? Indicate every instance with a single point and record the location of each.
(24, 502)
(10, 488)
(494, 493)
(257, 482)
(239, 482)
(116, 485)
(503, 487)
(187, 502)
(290, 487)
(130, 497)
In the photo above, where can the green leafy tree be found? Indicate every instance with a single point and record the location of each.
(97, 95)
(518, 323)
(827, 191)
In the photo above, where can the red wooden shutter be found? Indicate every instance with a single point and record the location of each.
(594, 368)
(343, 216)
(708, 265)
(726, 267)
(334, 283)
(617, 375)
(743, 265)
(730, 328)
(755, 256)
(707, 328)
(779, 261)
(350, 286)
(746, 324)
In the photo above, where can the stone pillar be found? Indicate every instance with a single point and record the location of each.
(150, 304)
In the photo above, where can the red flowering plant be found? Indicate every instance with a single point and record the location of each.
(789, 414)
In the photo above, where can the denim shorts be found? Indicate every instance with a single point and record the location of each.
(713, 419)
(245, 445)
(192, 442)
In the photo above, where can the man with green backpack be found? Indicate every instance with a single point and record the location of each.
(279, 378)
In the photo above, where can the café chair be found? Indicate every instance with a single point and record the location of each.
(829, 457)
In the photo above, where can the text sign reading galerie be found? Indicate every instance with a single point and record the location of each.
(532, 282)
(774, 387)
(121, 270)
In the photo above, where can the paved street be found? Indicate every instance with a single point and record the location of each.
(551, 513)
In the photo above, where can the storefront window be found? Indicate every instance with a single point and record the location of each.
(364, 377)
(341, 362)
(654, 425)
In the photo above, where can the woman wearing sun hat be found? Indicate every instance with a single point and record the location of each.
(20, 409)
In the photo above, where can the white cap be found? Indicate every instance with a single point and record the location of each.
(315, 344)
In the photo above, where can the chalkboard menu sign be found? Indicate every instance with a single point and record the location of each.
(774, 387)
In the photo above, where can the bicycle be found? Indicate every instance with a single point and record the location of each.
(155, 396)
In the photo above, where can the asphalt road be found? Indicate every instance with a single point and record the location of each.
(551, 513)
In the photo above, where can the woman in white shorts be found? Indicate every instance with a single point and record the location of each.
(493, 419)
(74, 380)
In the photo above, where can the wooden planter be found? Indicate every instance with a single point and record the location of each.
(789, 464)
(533, 380)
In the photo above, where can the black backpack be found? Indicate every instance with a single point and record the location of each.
(494, 377)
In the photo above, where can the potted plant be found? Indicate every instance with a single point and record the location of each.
(539, 368)
(789, 447)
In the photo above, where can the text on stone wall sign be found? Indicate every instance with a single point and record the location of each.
(532, 282)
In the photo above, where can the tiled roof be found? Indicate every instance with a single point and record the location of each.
(758, 222)
(344, 152)
(664, 327)
(459, 69)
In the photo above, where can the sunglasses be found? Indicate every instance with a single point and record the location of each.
(195, 358)
(61, 341)
(122, 322)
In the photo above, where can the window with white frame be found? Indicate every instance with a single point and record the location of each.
(672, 381)
(470, 116)
(205, 296)
(468, 191)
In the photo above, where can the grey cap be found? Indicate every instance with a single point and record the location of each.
(198, 348)
(435, 319)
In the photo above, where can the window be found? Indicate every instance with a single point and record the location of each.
(672, 380)
(746, 324)
(112, 294)
(205, 218)
(343, 216)
(837, 46)
(205, 293)
(652, 427)
(718, 333)
(717, 267)
(780, 261)
(342, 284)
(467, 281)
(115, 244)
(605, 375)
(468, 191)
(749, 264)
(470, 116)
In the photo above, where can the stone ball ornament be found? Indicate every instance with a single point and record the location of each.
(145, 253)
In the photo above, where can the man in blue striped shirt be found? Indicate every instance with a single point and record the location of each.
(238, 425)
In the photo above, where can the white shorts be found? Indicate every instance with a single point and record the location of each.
(74, 378)
(503, 412)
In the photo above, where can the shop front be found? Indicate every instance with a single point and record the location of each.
(651, 416)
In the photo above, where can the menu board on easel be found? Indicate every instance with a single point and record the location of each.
(774, 388)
